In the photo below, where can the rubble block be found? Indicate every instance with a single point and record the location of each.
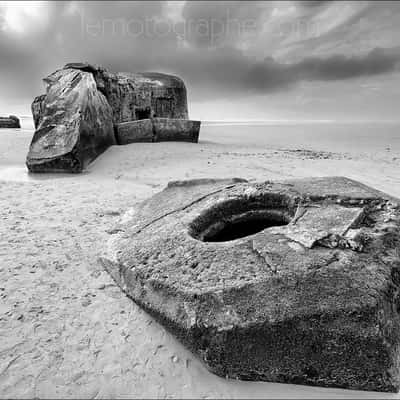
(75, 127)
(158, 130)
(135, 131)
(294, 281)
(37, 109)
(172, 129)
(10, 122)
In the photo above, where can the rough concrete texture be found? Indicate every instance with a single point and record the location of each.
(125, 97)
(309, 296)
(76, 125)
(169, 129)
(134, 96)
(37, 109)
(135, 132)
(158, 130)
(10, 122)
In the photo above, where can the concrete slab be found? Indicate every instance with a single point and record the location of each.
(294, 281)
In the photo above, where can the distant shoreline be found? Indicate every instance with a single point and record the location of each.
(298, 122)
(273, 122)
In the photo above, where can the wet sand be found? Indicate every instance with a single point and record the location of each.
(66, 330)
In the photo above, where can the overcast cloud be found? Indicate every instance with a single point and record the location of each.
(248, 51)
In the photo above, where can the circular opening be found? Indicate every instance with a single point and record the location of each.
(236, 219)
(243, 225)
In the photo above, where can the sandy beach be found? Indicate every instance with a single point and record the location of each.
(66, 330)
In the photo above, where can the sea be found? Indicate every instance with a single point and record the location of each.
(329, 136)
(333, 136)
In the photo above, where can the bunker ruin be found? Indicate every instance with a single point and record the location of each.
(10, 122)
(87, 109)
(294, 282)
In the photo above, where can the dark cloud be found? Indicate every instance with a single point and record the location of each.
(229, 70)
(114, 34)
(377, 61)
(273, 75)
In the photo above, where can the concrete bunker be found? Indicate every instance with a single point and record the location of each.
(10, 122)
(87, 109)
(241, 217)
(312, 300)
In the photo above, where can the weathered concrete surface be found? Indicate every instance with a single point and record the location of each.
(313, 300)
(76, 125)
(169, 129)
(126, 97)
(134, 96)
(135, 131)
(10, 122)
(37, 109)
(158, 130)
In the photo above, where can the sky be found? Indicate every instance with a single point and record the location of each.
(240, 60)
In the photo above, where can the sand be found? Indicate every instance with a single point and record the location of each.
(66, 330)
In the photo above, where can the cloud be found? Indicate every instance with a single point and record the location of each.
(228, 70)
(224, 23)
(255, 47)
(23, 16)
(377, 61)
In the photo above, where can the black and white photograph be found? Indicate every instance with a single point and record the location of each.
(199, 199)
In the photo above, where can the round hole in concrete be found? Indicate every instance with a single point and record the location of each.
(238, 218)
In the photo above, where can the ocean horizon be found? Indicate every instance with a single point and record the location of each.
(317, 135)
